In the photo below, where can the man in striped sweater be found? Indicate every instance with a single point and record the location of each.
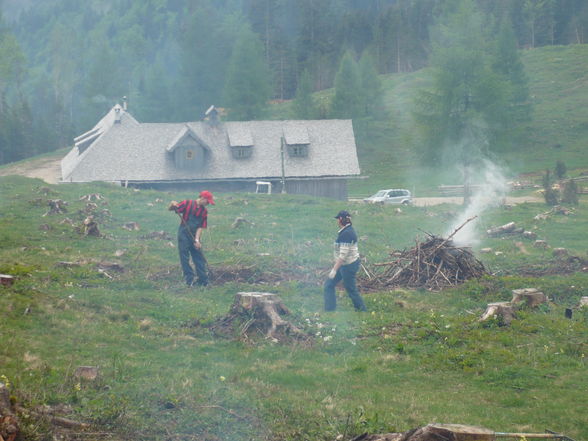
(194, 218)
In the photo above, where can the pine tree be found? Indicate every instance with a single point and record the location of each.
(348, 100)
(247, 85)
(303, 104)
(465, 111)
(371, 87)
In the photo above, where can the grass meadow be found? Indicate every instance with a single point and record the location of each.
(416, 357)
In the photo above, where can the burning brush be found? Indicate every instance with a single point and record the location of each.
(433, 264)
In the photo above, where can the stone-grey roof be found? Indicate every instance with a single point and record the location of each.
(144, 152)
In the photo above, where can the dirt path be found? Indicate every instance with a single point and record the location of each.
(47, 169)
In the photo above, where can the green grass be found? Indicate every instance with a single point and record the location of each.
(417, 357)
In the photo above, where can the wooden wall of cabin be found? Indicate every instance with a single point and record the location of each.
(328, 188)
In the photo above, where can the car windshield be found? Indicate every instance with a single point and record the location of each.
(380, 194)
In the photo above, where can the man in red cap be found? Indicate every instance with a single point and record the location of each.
(194, 218)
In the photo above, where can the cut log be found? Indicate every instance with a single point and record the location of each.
(530, 296)
(584, 302)
(6, 280)
(266, 311)
(504, 311)
(448, 432)
(511, 227)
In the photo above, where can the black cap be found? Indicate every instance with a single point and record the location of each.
(342, 214)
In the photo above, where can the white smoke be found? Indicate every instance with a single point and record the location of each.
(490, 190)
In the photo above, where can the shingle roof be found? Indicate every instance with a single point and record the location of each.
(140, 152)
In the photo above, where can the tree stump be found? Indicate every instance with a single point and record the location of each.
(532, 297)
(8, 422)
(504, 311)
(6, 280)
(91, 227)
(56, 206)
(584, 302)
(260, 312)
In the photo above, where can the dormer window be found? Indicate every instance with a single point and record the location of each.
(189, 155)
(242, 152)
(297, 139)
(298, 150)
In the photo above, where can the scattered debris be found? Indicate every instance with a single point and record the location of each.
(486, 250)
(110, 266)
(67, 221)
(240, 221)
(45, 227)
(56, 206)
(89, 373)
(529, 235)
(64, 264)
(158, 235)
(583, 302)
(560, 252)
(540, 244)
(120, 253)
(521, 247)
(558, 209)
(131, 226)
(92, 197)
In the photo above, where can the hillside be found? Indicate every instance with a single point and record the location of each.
(117, 302)
(558, 131)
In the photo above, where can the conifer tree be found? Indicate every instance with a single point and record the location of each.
(348, 100)
(247, 84)
(371, 87)
(303, 104)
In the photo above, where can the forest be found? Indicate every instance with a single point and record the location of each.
(64, 63)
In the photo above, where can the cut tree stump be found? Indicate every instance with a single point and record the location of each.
(56, 206)
(6, 280)
(503, 310)
(259, 312)
(584, 302)
(530, 296)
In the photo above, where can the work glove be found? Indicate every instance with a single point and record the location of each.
(332, 274)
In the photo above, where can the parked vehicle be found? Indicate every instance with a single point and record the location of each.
(391, 196)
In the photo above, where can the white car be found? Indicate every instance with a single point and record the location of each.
(391, 196)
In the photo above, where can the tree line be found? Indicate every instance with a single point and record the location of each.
(64, 63)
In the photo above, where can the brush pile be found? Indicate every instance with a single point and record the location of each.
(433, 264)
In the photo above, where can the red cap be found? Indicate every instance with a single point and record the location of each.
(208, 196)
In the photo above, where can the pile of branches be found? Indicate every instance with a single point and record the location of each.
(433, 264)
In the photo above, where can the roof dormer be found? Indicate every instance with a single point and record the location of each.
(297, 140)
(190, 152)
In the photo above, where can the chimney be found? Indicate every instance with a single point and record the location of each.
(211, 115)
(117, 114)
(125, 103)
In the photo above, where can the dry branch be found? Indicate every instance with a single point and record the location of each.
(433, 264)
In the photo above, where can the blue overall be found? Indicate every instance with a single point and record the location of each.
(186, 234)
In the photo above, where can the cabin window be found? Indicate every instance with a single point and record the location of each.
(189, 155)
(242, 152)
(298, 150)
